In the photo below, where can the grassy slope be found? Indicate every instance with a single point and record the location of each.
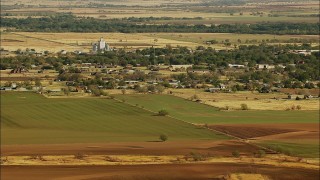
(198, 113)
(297, 149)
(30, 118)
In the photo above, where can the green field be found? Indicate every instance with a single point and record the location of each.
(199, 113)
(28, 118)
(295, 149)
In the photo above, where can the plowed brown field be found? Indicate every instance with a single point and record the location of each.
(247, 131)
(221, 148)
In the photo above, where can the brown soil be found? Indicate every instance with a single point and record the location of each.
(10, 40)
(246, 131)
(16, 78)
(141, 172)
(301, 136)
(217, 148)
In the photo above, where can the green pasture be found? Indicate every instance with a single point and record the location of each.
(195, 112)
(29, 118)
(308, 150)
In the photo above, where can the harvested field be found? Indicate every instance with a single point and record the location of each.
(82, 41)
(55, 42)
(16, 78)
(10, 40)
(156, 172)
(254, 100)
(233, 38)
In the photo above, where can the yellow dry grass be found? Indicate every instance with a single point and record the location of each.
(113, 2)
(81, 159)
(55, 42)
(233, 38)
(255, 101)
(240, 176)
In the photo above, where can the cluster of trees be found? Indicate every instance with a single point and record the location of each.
(298, 67)
(70, 23)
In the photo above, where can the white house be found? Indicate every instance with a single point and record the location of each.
(265, 66)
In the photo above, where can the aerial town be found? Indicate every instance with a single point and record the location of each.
(159, 90)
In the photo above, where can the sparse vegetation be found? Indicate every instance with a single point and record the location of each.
(197, 156)
(236, 153)
(260, 154)
(163, 112)
(79, 156)
(244, 107)
(163, 137)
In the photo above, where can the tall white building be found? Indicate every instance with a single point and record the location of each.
(101, 46)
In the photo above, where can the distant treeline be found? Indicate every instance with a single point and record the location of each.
(70, 23)
(223, 3)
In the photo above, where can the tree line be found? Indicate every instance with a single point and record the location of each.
(306, 66)
(70, 23)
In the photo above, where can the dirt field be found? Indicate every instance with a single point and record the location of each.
(157, 172)
(219, 148)
(248, 131)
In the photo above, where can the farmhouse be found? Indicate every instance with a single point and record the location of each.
(265, 66)
(220, 87)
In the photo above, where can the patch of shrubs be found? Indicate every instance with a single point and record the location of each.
(163, 137)
(79, 156)
(195, 156)
(163, 112)
(235, 153)
(244, 107)
(260, 154)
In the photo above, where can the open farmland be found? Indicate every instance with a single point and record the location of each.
(274, 129)
(199, 113)
(271, 11)
(254, 100)
(42, 120)
(55, 42)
